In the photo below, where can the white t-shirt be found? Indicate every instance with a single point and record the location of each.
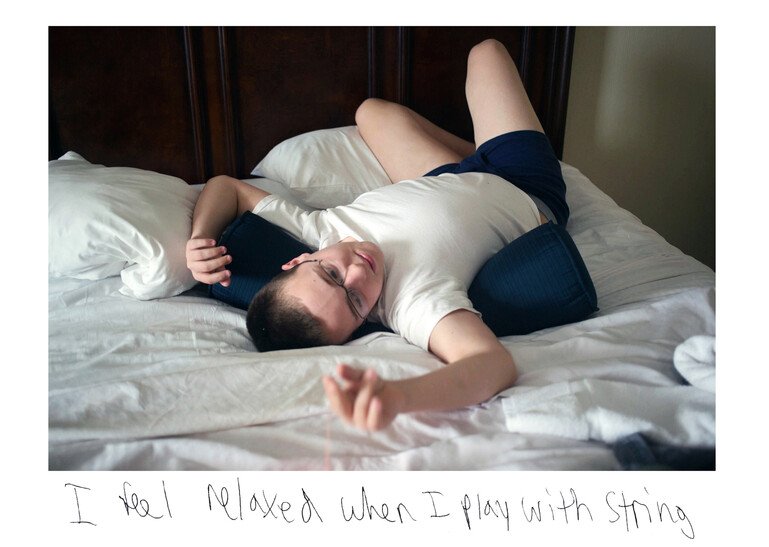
(435, 234)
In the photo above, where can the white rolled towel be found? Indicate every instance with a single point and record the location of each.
(695, 360)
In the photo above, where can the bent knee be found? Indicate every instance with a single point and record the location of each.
(374, 112)
(490, 47)
(369, 111)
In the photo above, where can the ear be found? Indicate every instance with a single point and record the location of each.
(294, 261)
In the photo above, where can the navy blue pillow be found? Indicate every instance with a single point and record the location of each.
(258, 249)
(537, 281)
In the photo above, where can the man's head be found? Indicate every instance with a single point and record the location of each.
(320, 298)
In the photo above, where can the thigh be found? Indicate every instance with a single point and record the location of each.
(404, 145)
(495, 94)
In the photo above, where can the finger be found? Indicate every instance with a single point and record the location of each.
(349, 373)
(202, 271)
(222, 277)
(363, 400)
(210, 265)
(375, 414)
(206, 253)
(350, 378)
(199, 243)
(340, 404)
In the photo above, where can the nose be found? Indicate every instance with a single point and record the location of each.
(356, 273)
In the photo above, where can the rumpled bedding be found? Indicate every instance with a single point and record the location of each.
(176, 384)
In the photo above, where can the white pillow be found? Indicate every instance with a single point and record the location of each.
(105, 221)
(324, 168)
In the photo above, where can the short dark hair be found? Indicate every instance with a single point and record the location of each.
(276, 320)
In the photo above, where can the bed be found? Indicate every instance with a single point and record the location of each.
(147, 372)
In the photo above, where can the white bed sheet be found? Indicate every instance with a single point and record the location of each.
(175, 384)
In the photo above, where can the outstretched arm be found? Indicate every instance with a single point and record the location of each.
(222, 200)
(477, 368)
(477, 365)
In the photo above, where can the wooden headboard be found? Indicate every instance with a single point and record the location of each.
(198, 102)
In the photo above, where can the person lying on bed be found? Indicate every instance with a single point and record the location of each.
(404, 254)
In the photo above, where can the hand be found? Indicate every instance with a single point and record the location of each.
(207, 261)
(365, 400)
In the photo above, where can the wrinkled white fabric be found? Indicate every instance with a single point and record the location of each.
(695, 359)
(175, 383)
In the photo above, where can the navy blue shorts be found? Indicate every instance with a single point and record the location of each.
(525, 159)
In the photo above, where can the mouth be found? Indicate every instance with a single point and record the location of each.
(368, 260)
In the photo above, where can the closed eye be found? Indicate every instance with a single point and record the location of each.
(333, 273)
(327, 276)
(353, 299)
(356, 299)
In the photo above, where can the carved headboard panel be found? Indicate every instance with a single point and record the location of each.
(196, 102)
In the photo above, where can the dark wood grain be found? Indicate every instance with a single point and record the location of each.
(195, 102)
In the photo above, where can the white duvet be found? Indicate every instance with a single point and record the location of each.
(175, 383)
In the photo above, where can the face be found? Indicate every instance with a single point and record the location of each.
(359, 265)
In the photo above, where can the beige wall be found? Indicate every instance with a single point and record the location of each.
(641, 125)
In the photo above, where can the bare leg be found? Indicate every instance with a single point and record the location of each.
(459, 145)
(408, 145)
(495, 94)
(405, 143)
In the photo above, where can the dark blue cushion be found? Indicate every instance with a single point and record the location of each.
(258, 249)
(537, 281)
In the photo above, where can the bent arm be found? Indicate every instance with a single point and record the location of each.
(477, 366)
(222, 200)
